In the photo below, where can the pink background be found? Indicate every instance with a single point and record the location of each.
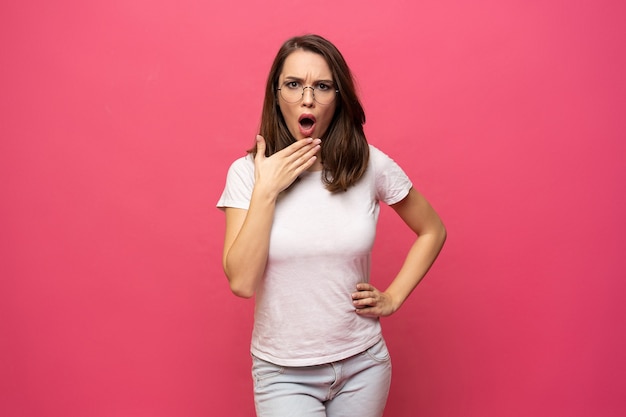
(118, 121)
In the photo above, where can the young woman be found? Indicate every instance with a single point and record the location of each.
(301, 211)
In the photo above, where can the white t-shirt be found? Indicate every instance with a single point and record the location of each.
(320, 247)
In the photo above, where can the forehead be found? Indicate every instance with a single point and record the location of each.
(306, 65)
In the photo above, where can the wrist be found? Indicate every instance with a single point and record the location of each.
(264, 194)
(395, 300)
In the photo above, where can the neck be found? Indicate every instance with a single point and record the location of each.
(317, 166)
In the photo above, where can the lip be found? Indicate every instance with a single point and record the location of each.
(307, 132)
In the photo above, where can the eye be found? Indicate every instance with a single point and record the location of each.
(292, 85)
(324, 87)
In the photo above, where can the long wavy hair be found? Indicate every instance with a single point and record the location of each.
(344, 152)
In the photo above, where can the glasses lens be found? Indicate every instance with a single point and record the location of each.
(322, 94)
(325, 95)
(291, 94)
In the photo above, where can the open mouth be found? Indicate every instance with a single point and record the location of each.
(307, 124)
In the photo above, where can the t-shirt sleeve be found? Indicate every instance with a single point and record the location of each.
(392, 183)
(239, 185)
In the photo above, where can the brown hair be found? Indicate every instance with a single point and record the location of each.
(345, 152)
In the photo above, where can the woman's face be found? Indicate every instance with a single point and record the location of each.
(306, 118)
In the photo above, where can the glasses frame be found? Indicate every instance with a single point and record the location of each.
(302, 95)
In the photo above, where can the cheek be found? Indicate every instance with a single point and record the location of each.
(290, 120)
(328, 116)
(287, 112)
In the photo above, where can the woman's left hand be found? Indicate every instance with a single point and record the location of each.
(370, 302)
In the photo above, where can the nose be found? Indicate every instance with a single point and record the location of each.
(308, 97)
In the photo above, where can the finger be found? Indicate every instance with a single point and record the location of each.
(300, 147)
(364, 286)
(260, 147)
(360, 295)
(368, 312)
(368, 303)
(295, 146)
(305, 151)
(304, 158)
(365, 301)
(308, 163)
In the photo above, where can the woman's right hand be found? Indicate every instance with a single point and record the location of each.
(278, 171)
(246, 242)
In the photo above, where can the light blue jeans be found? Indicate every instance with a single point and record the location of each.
(356, 386)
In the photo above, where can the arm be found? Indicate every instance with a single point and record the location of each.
(422, 219)
(246, 241)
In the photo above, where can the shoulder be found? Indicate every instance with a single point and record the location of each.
(244, 163)
(391, 182)
(239, 184)
(241, 172)
(242, 167)
(379, 160)
(376, 153)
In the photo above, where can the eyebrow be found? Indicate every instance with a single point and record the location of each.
(292, 78)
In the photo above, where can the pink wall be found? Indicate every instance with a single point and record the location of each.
(118, 122)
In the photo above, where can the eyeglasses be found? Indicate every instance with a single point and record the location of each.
(293, 92)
